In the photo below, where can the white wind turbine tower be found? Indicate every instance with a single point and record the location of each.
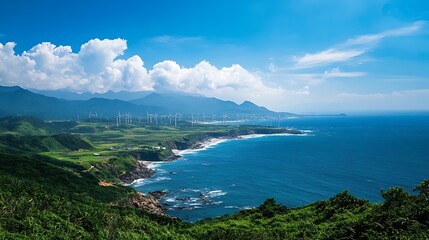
(175, 119)
(150, 117)
(224, 117)
(170, 117)
(130, 119)
(118, 119)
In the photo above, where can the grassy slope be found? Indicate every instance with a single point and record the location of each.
(42, 195)
(39, 200)
(24, 126)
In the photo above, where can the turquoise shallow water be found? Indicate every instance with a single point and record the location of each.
(362, 154)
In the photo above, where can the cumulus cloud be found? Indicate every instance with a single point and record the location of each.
(233, 83)
(95, 68)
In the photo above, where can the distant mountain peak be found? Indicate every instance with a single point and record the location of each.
(248, 103)
(10, 89)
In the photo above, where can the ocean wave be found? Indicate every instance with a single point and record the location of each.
(170, 200)
(195, 204)
(234, 207)
(145, 181)
(206, 145)
(216, 193)
(216, 203)
(190, 190)
(190, 198)
(250, 136)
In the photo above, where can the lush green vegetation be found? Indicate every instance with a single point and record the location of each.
(401, 216)
(50, 189)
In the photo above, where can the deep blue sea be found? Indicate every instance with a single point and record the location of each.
(360, 153)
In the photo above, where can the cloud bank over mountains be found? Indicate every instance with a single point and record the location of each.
(98, 67)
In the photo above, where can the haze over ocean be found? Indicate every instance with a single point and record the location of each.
(362, 154)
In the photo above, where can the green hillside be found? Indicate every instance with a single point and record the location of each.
(25, 126)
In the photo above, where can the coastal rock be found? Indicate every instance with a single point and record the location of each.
(158, 194)
(141, 171)
(144, 202)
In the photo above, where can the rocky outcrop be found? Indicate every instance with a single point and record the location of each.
(141, 171)
(158, 194)
(144, 202)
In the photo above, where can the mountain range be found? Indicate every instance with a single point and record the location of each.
(57, 105)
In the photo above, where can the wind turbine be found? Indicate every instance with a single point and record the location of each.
(175, 119)
(224, 117)
(118, 119)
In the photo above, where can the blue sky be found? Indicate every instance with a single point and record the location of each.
(301, 56)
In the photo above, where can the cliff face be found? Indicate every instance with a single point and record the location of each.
(141, 171)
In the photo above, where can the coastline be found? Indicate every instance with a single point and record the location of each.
(199, 146)
(146, 169)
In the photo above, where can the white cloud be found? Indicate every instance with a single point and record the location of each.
(336, 72)
(95, 68)
(325, 57)
(353, 48)
(371, 38)
(232, 83)
(97, 54)
(98, 68)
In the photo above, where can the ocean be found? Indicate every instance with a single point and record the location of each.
(359, 153)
